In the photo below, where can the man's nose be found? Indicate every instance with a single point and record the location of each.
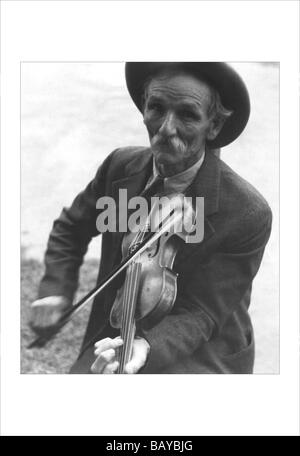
(168, 128)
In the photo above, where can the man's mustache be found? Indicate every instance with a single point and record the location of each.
(174, 142)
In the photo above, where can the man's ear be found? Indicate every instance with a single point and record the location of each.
(215, 127)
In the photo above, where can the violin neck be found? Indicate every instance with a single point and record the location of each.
(128, 326)
(125, 352)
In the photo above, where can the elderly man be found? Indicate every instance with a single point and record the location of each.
(189, 109)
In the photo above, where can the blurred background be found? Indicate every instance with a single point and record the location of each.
(72, 116)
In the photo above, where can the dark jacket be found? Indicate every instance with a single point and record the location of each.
(209, 329)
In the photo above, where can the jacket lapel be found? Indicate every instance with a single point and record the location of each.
(207, 185)
(136, 175)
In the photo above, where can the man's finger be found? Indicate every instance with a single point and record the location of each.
(43, 316)
(104, 358)
(139, 356)
(107, 343)
(111, 368)
(103, 341)
(39, 319)
(133, 367)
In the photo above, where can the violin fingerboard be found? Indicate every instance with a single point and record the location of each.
(124, 353)
(128, 328)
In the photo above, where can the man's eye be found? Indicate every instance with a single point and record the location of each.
(155, 107)
(189, 115)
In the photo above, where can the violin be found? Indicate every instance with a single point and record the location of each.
(150, 285)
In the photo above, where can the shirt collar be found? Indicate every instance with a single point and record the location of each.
(178, 183)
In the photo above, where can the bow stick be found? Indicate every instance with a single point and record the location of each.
(164, 226)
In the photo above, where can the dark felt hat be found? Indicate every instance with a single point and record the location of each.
(230, 86)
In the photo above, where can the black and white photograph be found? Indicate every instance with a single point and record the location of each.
(149, 220)
(94, 131)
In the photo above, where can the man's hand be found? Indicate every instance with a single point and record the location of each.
(106, 362)
(46, 312)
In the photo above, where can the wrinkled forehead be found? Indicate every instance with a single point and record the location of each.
(178, 85)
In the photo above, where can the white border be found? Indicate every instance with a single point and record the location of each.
(157, 405)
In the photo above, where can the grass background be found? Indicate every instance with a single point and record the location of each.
(72, 116)
(61, 352)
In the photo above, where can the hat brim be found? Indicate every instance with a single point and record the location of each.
(230, 86)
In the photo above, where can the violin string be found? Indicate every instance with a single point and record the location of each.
(124, 311)
(130, 312)
(131, 338)
(128, 305)
(124, 307)
(133, 310)
(124, 315)
(137, 239)
(141, 233)
(125, 328)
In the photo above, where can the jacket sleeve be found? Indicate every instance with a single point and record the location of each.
(206, 299)
(69, 239)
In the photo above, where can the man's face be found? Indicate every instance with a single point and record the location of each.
(176, 117)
